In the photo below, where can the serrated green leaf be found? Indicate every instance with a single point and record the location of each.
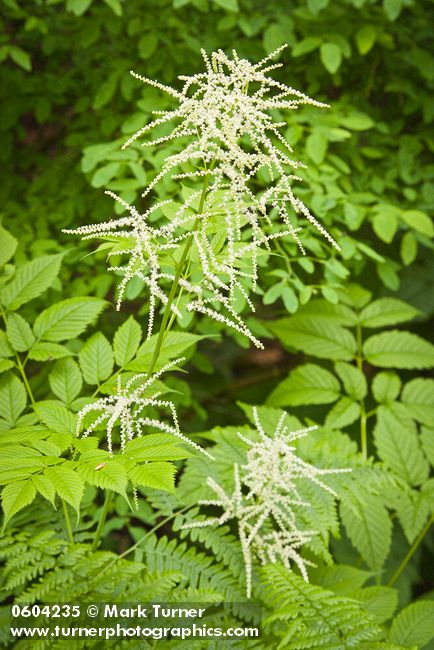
(158, 475)
(318, 338)
(308, 384)
(15, 497)
(341, 578)
(65, 380)
(175, 344)
(396, 440)
(353, 379)
(56, 417)
(68, 319)
(413, 509)
(19, 333)
(379, 601)
(43, 351)
(96, 359)
(387, 311)
(24, 434)
(397, 349)
(67, 483)
(386, 386)
(369, 529)
(126, 341)
(418, 397)
(343, 413)
(414, 625)
(47, 447)
(45, 487)
(13, 397)
(30, 280)
(107, 473)
(155, 446)
(8, 246)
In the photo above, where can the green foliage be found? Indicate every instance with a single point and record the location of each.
(414, 625)
(351, 350)
(328, 621)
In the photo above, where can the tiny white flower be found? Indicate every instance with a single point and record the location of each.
(127, 408)
(266, 499)
(226, 137)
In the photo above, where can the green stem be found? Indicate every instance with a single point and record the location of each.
(102, 520)
(67, 522)
(150, 532)
(363, 417)
(411, 551)
(179, 270)
(141, 540)
(25, 380)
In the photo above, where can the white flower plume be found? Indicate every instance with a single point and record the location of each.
(226, 137)
(127, 408)
(267, 497)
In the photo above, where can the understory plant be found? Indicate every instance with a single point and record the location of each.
(311, 500)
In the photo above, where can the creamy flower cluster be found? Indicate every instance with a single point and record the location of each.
(127, 409)
(267, 497)
(227, 136)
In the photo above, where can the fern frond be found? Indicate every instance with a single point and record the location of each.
(307, 616)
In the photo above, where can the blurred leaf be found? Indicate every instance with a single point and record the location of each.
(306, 45)
(8, 246)
(316, 147)
(20, 57)
(365, 38)
(308, 384)
(229, 5)
(331, 57)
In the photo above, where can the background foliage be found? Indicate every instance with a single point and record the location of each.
(336, 351)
